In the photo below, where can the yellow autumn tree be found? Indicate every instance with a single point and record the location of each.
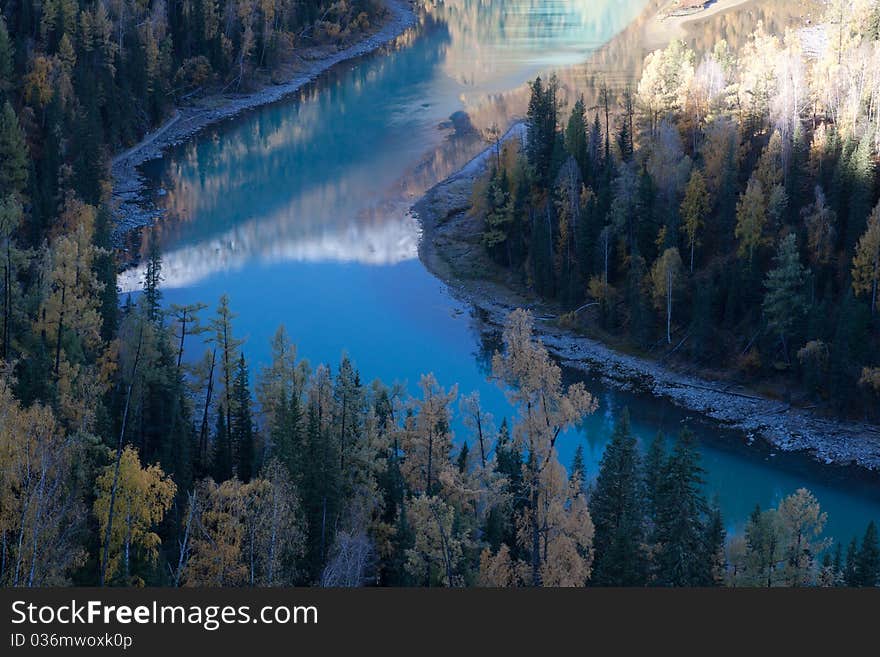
(751, 216)
(143, 496)
(41, 506)
(434, 558)
(566, 529)
(498, 569)
(217, 543)
(427, 439)
(801, 521)
(866, 261)
(553, 529)
(244, 534)
(694, 209)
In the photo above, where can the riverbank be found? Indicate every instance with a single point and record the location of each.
(451, 249)
(131, 210)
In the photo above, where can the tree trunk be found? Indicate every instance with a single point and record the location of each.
(182, 336)
(203, 434)
(430, 459)
(480, 436)
(107, 532)
(184, 545)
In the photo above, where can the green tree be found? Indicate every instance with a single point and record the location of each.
(222, 460)
(229, 346)
(681, 554)
(243, 424)
(576, 138)
(784, 300)
(868, 558)
(616, 506)
(7, 61)
(13, 153)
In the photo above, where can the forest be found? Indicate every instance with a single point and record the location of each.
(125, 461)
(723, 212)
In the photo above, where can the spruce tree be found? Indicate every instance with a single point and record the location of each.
(617, 510)
(462, 461)
(851, 570)
(680, 529)
(576, 138)
(714, 542)
(655, 464)
(7, 61)
(13, 153)
(221, 466)
(868, 558)
(152, 282)
(243, 424)
(578, 474)
(785, 302)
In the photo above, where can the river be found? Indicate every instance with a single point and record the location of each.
(298, 211)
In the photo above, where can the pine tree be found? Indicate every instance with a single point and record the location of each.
(13, 153)
(655, 464)
(7, 61)
(243, 425)
(851, 570)
(714, 542)
(785, 302)
(868, 558)
(578, 474)
(616, 506)
(152, 282)
(680, 529)
(461, 461)
(221, 462)
(542, 124)
(229, 346)
(577, 140)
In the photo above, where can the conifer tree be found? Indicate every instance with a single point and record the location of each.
(13, 153)
(851, 570)
(680, 529)
(616, 507)
(229, 346)
(784, 302)
(243, 425)
(7, 61)
(578, 475)
(868, 558)
(222, 460)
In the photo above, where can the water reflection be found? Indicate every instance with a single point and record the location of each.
(329, 174)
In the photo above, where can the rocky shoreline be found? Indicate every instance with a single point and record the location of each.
(451, 249)
(131, 210)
